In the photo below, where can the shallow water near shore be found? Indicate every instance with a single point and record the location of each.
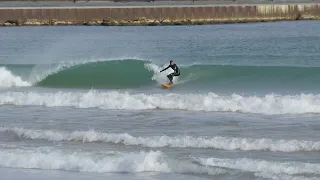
(86, 102)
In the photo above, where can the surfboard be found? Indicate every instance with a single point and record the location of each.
(167, 85)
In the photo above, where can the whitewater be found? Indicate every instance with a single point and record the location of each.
(7, 79)
(85, 103)
(225, 143)
(211, 102)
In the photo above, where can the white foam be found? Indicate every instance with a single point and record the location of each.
(283, 177)
(262, 166)
(157, 76)
(225, 143)
(268, 104)
(153, 161)
(7, 79)
(38, 73)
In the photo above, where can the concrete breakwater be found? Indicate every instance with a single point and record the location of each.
(157, 15)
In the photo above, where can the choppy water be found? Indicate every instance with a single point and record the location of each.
(86, 102)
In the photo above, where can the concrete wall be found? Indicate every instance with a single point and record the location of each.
(252, 1)
(166, 14)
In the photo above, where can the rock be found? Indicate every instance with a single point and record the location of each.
(8, 24)
(134, 23)
(141, 19)
(123, 22)
(188, 22)
(198, 22)
(32, 22)
(63, 23)
(167, 22)
(109, 22)
(177, 22)
(12, 23)
(53, 22)
(45, 22)
(93, 23)
(154, 23)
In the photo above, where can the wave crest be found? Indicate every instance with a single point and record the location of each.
(7, 79)
(211, 102)
(225, 143)
(152, 161)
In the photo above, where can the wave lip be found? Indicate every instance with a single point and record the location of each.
(101, 74)
(152, 161)
(117, 73)
(7, 79)
(269, 104)
(225, 143)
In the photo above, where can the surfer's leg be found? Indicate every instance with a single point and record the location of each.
(170, 77)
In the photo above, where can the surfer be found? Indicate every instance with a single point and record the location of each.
(175, 73)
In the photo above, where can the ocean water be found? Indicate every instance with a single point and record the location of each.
(86, 102)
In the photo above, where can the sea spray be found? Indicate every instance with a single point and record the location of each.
(7, 79)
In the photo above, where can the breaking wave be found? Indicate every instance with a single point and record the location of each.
(211, 102)
(152, 161)
(134, 73)
(225, 143)
(7, 79)
(126, 73)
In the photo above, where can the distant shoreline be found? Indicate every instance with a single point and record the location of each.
(168, 1)
(61, 3)
(157, 15)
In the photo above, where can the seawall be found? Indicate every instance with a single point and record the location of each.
(157, 15)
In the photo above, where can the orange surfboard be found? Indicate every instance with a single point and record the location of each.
(167, 85)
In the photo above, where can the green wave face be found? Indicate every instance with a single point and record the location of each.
(107, 74)
(252, 75)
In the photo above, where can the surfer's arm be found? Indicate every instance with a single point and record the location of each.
(165, 68)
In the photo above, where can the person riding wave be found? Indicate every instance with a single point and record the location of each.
(175, 73)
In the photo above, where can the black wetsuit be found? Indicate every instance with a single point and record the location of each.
(175, 73)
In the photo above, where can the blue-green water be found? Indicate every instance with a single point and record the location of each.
(86, 102)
